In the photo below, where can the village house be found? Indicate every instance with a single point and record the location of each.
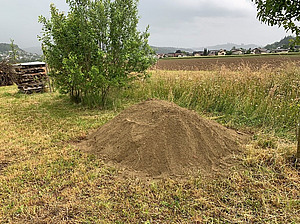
(198, 53)
(189, 54)
(176, 55)
(179, 55)
(170, 55)
(221, 52)
(237, 52)
(212, 52)
(259, 51)
(281, 51)
(158, 56)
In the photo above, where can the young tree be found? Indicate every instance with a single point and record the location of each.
(13, 53)
(95, 47)
(284, 13)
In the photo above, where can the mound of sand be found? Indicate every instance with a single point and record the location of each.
(160, 138)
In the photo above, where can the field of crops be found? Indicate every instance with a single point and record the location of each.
(255, 62)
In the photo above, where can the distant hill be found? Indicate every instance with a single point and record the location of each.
(6, 47)
(166, 50)
(229, 46)
(22, 56)
(283, 43)
(34, 50)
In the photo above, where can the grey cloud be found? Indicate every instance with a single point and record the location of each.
(19, 20)
(195, 23)
(182, 23)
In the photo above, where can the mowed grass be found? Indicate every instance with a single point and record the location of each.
(45, 178)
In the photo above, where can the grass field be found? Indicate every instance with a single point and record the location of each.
(45, 178)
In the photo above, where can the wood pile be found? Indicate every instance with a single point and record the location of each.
(31, 77)
(6, 74)
(5, 79)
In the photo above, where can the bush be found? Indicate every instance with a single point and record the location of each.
(95, 47)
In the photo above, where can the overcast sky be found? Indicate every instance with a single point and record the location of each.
(173, 23)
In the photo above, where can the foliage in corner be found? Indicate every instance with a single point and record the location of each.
(95, 47)
(284, 13)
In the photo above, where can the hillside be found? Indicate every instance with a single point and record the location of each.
(229, 46)
(283, 43)
(6, 47)
(166, 50)
(22, 56)
(34, 50)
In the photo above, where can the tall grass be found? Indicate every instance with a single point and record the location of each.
(268, 98)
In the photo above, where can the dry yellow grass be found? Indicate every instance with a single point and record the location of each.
(45, 178)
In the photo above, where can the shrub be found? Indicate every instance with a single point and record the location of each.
(95, 47)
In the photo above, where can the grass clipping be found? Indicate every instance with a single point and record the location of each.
(159, 138)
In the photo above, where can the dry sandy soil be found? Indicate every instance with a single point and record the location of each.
(159, 138)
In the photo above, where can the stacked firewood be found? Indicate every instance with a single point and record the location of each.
(31, 77)
(6, 73)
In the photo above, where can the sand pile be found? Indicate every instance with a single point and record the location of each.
(160, 138)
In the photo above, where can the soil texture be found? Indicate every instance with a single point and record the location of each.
(159, 138)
